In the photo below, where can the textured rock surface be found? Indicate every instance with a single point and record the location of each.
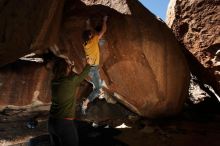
(24, 26)
(142, 63)
(24, 83)
(196, 23)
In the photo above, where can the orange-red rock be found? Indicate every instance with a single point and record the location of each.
(196, 26)
(26, 26)
(142, 63)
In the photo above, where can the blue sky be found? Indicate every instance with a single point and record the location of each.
(158, 7)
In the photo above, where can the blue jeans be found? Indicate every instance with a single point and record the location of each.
(96, 81)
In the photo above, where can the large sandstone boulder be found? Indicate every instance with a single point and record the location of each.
(196, 25)
(25, 25)
(24, 83)
(142, 63)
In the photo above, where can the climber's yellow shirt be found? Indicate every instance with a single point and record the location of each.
(92, 50)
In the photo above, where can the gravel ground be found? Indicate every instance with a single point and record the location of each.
(196, 125)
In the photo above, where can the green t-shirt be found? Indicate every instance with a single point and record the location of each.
(63, 94)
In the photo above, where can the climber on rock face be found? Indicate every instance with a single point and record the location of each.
(91, 47)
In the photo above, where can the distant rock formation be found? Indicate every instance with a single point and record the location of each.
(196, 24)
(142, 63)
